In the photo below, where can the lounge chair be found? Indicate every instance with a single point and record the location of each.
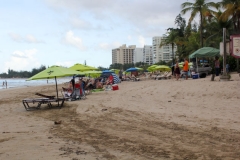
(167, 75)
(45, 96)
(39, 101)
(162, 76)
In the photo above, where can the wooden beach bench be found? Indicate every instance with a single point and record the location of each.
(45, 96)
(39, 101)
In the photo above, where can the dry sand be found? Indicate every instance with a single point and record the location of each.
(164, 119)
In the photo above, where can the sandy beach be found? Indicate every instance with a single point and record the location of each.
(149, 119)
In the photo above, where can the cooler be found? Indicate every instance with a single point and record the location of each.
(114, 87)
(195, 76)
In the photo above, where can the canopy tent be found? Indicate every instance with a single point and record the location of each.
(81, 67)
(205, 52)
(55, 72)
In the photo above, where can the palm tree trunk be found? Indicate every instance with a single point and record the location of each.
(201, 29)
(173, 52)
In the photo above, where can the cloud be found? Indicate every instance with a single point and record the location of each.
(31, 39)
(109, 46)
(71, 39)
(28, 38)
(141, 41)
(80, 24)
(22, 60)
(65, 63)
(16, 37)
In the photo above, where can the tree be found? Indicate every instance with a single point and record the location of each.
(199, 7)
(170, 38)
(116, 66)
(214, 25)
(232, 10)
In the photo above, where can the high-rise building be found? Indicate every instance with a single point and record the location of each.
(138, 55)
(148, 54)
(163, 53)
(123, 54)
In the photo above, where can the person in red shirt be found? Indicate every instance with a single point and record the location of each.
(185, 68)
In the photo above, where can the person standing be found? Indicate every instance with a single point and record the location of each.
(227, 68)
(185, 68)
(6, 84)
(120, 74)
(177, 70)
(217, 66)
(3, 84)
(172, 69)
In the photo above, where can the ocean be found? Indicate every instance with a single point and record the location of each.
(20, 82)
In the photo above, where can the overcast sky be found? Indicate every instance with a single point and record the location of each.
(65, 32)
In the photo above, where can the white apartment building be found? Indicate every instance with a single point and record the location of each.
(148, 54)
(164, 53)
(138, 55)
(123, 54)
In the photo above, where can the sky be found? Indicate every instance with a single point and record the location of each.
(65, 32)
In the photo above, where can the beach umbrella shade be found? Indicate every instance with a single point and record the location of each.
(55, 72)
(115, 77)
(140, 69)
(131, 70)
(181, 64)
(81, 67)
(163, 68)
(107, 71)
(116, 71)
(93, 73)
(152, 68)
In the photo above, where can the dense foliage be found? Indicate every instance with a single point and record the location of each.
(22, 74)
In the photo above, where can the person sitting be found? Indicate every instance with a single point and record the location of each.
(99, 85)
(68, 91)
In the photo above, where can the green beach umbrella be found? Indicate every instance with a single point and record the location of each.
(93, 73)
(116, 71)
(163, 68)
(81, 67)
(181, 64)
(55, 72)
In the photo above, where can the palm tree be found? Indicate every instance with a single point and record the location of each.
(199, 7)
(214, 26)
(175, 36)
(232, 10)
(170, 38)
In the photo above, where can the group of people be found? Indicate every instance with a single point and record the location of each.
(177, 71)
(85, 85)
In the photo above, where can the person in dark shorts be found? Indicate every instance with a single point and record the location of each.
(177, 70)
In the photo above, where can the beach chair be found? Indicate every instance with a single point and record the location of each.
(162, 76)
(45, 96)
(35, 103)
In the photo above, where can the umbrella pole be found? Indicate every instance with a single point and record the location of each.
(57, 90)
(197, 64)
